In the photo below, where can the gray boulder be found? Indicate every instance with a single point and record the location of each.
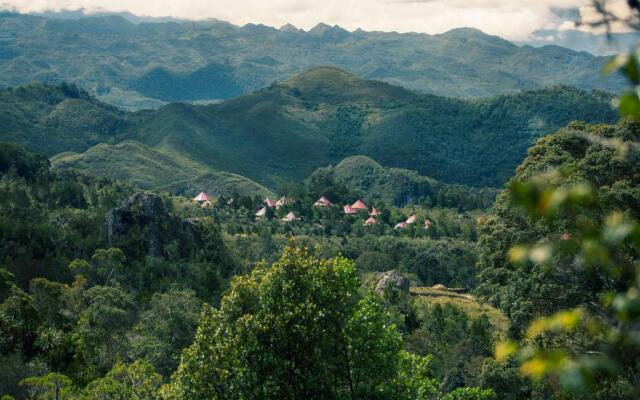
(391, 279)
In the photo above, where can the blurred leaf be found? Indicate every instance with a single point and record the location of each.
(630, 70)
(627, 306)
(629, 105)
(595, 253)
(616, 63)
(540, 254)
(524, 194)
(518, 254)
(575, 379)
(616, 229)
(544, 363)
(563, 321)
(505, 350)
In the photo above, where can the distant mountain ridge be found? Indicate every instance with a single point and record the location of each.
(124, 62)
(314, 119)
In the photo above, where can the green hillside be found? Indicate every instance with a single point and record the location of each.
(393, 185)
(218, 183)
(52, 119)
(315, 119)
(400, 187)
(318, 118)
(124, 62)
(147, 169)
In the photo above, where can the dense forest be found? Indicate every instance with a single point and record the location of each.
(139, 295)
(286, 131)
(323, 237)
(109, 285)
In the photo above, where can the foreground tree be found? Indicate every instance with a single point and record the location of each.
(299, 329)
(136, 381)
(592, 346)
(560, 256)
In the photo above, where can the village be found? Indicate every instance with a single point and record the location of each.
(358, 208)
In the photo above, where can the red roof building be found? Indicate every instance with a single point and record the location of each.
(282, 202)
(201, 198)
(566, 236)
(290, 218)
(349, 210)
(375, 212)
(262, 213)
(360, 206)
(270, 203)
(322, 202)
(401, 225)
(411, 220)
(370, 221)
(427, 224)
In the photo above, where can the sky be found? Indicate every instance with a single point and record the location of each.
(511, 19)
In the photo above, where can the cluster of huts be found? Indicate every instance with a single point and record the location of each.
(360, 207)
(357, 208)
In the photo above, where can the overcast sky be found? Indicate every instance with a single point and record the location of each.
(511, 19)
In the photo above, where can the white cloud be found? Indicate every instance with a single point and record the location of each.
(511, 19)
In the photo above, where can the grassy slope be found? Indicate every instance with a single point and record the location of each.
(466, 302)
(144, 168)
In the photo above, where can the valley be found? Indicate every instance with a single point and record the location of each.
(193, 209)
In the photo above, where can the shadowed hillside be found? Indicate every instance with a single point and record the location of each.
(401, 186)
(320, 117)
(315, 119)
(52, 119)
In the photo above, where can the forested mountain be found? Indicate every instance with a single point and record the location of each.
(51, 119)
(315, 119)
(137, 64)
(374, 182)
(109, 285)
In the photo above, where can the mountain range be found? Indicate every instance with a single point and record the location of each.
(143, 64)
(287, 130)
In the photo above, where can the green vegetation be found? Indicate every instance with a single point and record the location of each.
(69, 302)
(581, 154)
(315, 119)
(332, 342)
(399, 187)
(125, 62)
(104, 300)
(559, 257)
(148, 169)
(53, 119)
(109, 292)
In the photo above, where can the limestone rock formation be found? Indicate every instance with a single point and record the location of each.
(391, 279)
(143, 225)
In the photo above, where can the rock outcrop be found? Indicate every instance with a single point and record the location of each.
(392, 279)
(142, 225)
